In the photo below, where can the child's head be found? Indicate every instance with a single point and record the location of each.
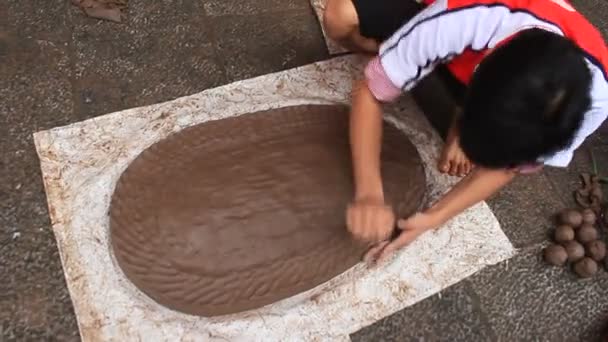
(527, 99)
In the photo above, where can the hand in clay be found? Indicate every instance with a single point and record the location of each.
(411, 228)
(370, 221)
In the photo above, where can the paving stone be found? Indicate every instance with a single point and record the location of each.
(253, 45)
(248, 7)
(525, 209)
(525, 300)
(567, 180)
(36, 94)
(162, 52)
(453, 316)
(40, 20)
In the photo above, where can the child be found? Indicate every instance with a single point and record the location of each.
(536, 87)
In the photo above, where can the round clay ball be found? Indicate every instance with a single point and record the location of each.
(589, 216)
(596, 250)
(575, 250)
(555, 255)
(571, 217)
(586, 233)
(564, 233)
(585, 267)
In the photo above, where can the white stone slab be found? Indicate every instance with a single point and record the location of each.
(81, 163)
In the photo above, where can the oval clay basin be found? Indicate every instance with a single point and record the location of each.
(235, 214)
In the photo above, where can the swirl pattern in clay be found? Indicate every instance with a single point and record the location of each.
(235, 214)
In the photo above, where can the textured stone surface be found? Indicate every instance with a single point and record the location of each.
(524, 298)
(252, 7)
(256, 45)
(567, 180)
(165, 50)
(36, 94)
(525, 208)
(453, 315)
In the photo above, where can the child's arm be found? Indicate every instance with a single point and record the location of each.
(368, 218)
(476, 187)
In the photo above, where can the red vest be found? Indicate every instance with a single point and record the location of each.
(557, 12)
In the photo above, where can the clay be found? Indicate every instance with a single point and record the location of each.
(235, 214)
(596, 250)
(555, 255)
(585, 268)
(571, 217)
(575, 250)
(564, 233)
(589, 216)
(586, 233)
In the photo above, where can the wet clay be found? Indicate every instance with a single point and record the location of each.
(235, 214)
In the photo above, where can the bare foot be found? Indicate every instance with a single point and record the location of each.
(453, 161)
(341, 23)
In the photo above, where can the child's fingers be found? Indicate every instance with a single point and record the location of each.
(445, 166)
(389, 224)
(372, 254)
(467, 168)
(349, 218)
(462, 168)
(453, 168)
(404, 239)
(403, 224)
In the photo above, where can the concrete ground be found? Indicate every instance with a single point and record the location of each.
(58, 67)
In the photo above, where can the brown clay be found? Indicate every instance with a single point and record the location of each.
(238, 213)
(571, 217)
(585, 267)
(586, 233)
(596, 191)
(555, 255)
(590, 194)
(589, 216)
(575, 250)
(564, 233)
(596, 250)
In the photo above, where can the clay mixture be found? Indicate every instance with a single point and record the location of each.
(238, 213)
(578, 241)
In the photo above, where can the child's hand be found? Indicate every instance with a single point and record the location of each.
(370, 221)
(411, 228)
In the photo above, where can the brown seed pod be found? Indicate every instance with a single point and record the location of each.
(575, 250)
(571, 217)
(596, 250)
(586, 233)
(589, 216)
(596, 191)
(555, 255)
(585, 268)
(563, 233)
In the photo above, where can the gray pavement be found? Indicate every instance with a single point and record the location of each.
(58, 67)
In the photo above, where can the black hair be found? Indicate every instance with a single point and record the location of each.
(526, 100)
